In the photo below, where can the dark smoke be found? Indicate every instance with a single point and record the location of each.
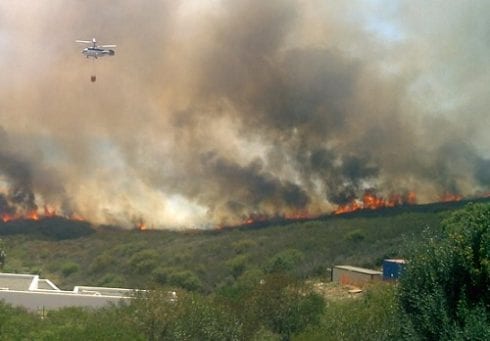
(212, 112)
(18, 176)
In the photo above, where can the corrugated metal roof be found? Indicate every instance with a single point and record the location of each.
(396, 260)
(357, 269)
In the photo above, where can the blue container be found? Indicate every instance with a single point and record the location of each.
(393, 268)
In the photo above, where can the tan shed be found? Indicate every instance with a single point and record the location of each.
(346, 274)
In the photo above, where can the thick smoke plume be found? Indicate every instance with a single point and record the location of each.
(215, 111)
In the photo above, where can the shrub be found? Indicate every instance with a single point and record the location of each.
(144, 261)
(237, 265)
(102, 262)
(69, 268)
(374, 316)
(243, 245)
(112, 280)
(285, 306)
(355, 236)
(161, 274)
(284, 261)
(185, 279)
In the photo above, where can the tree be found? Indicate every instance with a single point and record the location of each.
(445, 290)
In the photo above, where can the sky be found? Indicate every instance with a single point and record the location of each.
(212, 112)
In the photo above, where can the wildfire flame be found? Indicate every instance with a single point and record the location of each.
(298, 216)
(35, 215)
(141, 226)
(255, 218)
(370, 201)
(32, 215)
(49, 212)
(7, 217)
(77, 217)
(449, 197)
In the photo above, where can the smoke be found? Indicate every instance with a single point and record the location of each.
(214, 111)
(18, 176)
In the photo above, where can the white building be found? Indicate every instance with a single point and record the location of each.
(35, 294)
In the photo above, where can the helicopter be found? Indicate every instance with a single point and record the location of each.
(95, 51)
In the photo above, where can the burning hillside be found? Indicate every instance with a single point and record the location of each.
(218, 113)
(36, 215)
(370, 201)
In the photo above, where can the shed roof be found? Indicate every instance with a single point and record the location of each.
(396, 260)
(357, 269)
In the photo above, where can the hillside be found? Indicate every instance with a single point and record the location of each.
(74, 253)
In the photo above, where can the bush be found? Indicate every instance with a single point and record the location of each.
(160, 275)
(237, 265)
(373, 316)
(102, 262)
(285, 306)
(190, 317)
(69, 268)
(17, 324)
(243, 245)
(144, 261)
(203, 319)
(355, 236)
(284, 261)
(112, 280)
(185, 279)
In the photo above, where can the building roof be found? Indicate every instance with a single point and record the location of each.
(357, 269)
(18, 281)
(28, 282)
(33, 293)
(396, 260)
(119, 292)
(46, 284)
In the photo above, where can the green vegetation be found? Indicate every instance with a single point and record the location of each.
(207, 260)
(259, 284)
(373, 316)
(68, 268)
(445, 292)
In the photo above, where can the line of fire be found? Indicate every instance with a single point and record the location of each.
(370, 201)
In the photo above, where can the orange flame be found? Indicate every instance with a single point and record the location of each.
(255, 218)
(370, 201)
(297, 216)
(32, 215)
(77, 217)
(450, 197)
(7, 217)
(49, 213)
(36, 215)
(349, 207)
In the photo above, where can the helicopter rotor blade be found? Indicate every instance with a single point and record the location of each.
(107, 45)
(83, 41)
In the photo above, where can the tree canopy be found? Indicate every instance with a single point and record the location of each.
(445, 289)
